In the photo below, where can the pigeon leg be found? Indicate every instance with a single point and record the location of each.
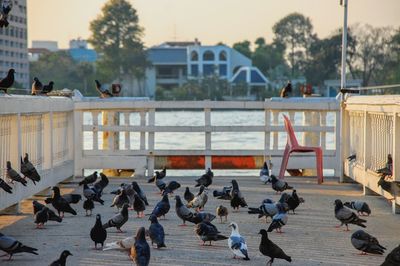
(338, 226)
(221, 219)
(184, 224)
(347, 228)
(119, 230)
(226, 218)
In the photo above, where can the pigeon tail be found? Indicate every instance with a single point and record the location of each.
(26, 249)
(162, 245)
(254, 211)
(110, 246)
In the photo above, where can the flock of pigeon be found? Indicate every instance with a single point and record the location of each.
(132, 197)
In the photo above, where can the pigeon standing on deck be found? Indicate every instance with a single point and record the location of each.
(12, 246)
(5, 9)
(120, 199)
(264, 173)
(51, 215)
(37, 86)
(366, 243)
(361, 207)
(158, 175)
(14, 176)
(182, 211)
(237, 244)
(224, 194)
(89, 179)
(346, 216)
(41, 217)
(293, 201)
(206, 179)
(101, 184)
(119, 219)
(171, 187)
(393, 187)
(160, 185)
(188, 196)
(267, 209)
(279, 220)
(270, 249)
(162, 207)
(62, 260)
(156, 232)
(104, 93)
(88, 206)
(140, 252)
(278, 185)
(89, 193)
(8, 81)
(98, 234)
(139, 206)
(140, 192)
(60, 204)
(208, 232)
(393, 258)
(70, 198)
(28, 170)
(222, 212)
(237, 197)
(199, 217)
(200, 200)
(5, 186)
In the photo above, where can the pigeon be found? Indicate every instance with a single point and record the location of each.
(188, 196)
(51, 215)
(62, 260)
(278, 185)
(221, 212)
(14, 176)
(104, 93)
(200, 200)
(130, 193)
(237, 244)
(388, 169)
(264, 173)
(162, 207)
(140, 192)
(120, 199)
(124, 244)
(28, 170)
(267, 209)
(60, 204)
(47, 88)
(360, 206)
(346, 216)
(89, 179)
(198, 217)
(206, 179)
(101, 184)
(208, 232)
(140, 252)
(88, 206)
(366, 243)
(158, 175)
(293, 201)
(270, 249)
(160, 184)
(182, 211)
(89, 193)
(41, 217)
(37, 86)
(237, 198)
(156, 232)
(12, 246)
(171, 187)
(286, 91)
(279, 220)
(224, 194)
(393, 258)
(70, 198)
(5, 186)
(392, 187)
(8, 81)
(5, 9)
(352, 157)
(98, 234)
(139, 206)
(119, 219)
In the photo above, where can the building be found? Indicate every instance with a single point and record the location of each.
(51, 46)
(174, 63)
(79, 51)
(332, 86)
(14, 45)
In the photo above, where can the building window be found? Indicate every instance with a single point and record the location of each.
(208, 56)
(194, 70)
(222, 56)
(194, 56)
(222, 70)
(208, 70)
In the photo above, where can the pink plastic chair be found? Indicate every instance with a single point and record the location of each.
(293, 146)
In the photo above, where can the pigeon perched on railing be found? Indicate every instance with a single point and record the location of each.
(47, 88)
(5, 9)
(270, 249)
(37, 86)
(156, 232)
(366, 243)
(388, 169)
(352, 157)
(14, 176)
(393, 187)
(346, 216)
(5, 186)
(28, 170)
(360, 206)
(8, 81)
(104, 93)
(98, 234)
(62, 259)
(12, 246)
(237, 244)
(140, 252)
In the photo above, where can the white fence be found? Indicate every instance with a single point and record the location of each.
(371, 130)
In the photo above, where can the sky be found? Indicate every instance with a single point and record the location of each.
(211, 21)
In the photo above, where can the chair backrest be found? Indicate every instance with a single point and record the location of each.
(291, 137)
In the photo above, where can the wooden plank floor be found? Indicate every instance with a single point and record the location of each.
(310, 237)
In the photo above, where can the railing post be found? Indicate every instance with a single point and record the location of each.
(78, 141)
(142, 133)
(207, 123)
(267, 134)
(15, 155)
(396, 157)
(150, 158)
(367, 149)
(310, 138)
(95, 118)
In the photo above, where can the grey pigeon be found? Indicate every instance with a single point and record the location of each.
(140, 252)
(98, 234)
(171, 187)
(88, 206)
(8, 81)
(89, 179)
(70, 198)
(361, 207)
(158, 175)
(264, 173)
(237, 244)
(392, 187)
(206, 179)
(270, 249)
(101, 184)
(162, 207)
(118, 220)
(278, 185)
(188, 196)
(279, 220)
(62, 260)
(13, 175)
(28, 170)
(224, 194)
(5, 186)
(346, 216)
(160, 184)
(120, 199)
(52, 216)
(267, 209)
(89, 193)
(182, 211)
(208, 232)
(199, 217)
(140, 192)
(366, 243)
(293, 201)
(156, 232)
(11, 246)
(393, 258)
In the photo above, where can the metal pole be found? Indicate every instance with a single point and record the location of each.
(344, 45)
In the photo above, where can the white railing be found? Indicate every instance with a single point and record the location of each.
(371, 130)
(112, 125)
(43, 128)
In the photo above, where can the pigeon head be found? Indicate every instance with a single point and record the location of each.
(66, 253)
(234, 226)
(98, 217)
(56, 190)
(103, 176)
(165, 198)
(51, 83)
(381, 181)
(8, 165)
(35, 79)
(11, 71)
(135, 186)
(358, 234)
(153, 219)
(263, 232)
(141, 234)
(338, 203)
(95, 173)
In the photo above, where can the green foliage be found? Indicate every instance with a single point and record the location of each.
(116, 36)
(243, 48)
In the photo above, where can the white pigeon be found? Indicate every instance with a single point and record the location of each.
(124, 244)
(237, 244)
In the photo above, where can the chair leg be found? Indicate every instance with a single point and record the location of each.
(284, 163)
(319, 161)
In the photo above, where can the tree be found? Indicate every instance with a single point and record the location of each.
(85, 72)
(116, 36)
(243, 48)
(294, 32)
(269, 58)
